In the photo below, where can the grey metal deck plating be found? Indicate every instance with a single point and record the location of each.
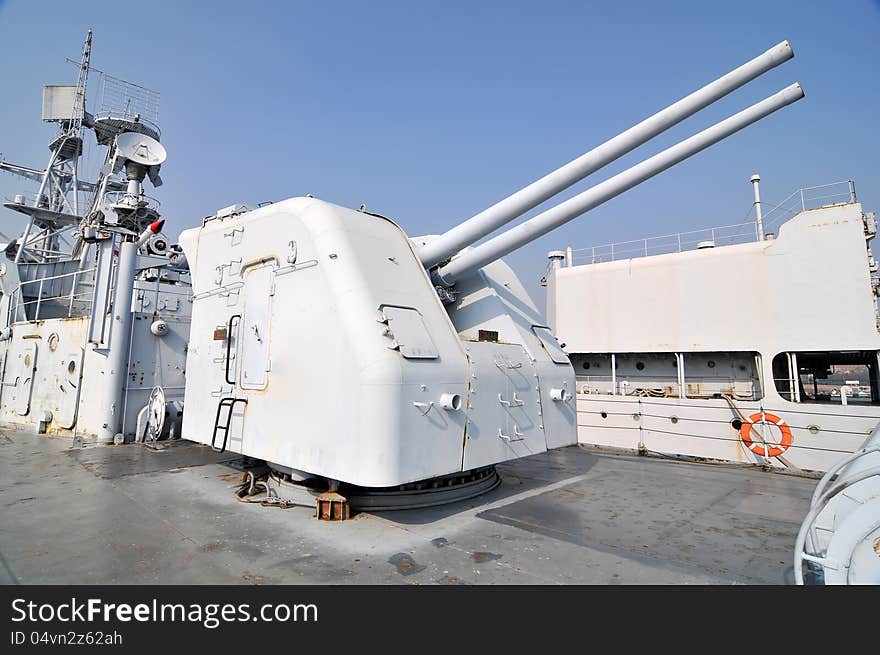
(126, 514)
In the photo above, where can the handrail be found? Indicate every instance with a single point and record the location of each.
(60, 275)
(732, 234)
(17, 304)
(669, 243)
(666, 236)
(847, 196)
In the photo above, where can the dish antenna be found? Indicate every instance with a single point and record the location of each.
(141, 155)
(140, 148)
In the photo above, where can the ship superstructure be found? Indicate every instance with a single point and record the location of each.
(95, 302)
(735, 343)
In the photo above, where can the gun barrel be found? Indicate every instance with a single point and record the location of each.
(531, 196)
(533, 228)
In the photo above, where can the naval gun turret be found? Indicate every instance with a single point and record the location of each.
(328, 343)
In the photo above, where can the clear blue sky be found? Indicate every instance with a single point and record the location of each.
(429, 112)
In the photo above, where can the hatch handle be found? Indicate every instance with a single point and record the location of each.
(229, 345)
(515, 402)
(517, 435)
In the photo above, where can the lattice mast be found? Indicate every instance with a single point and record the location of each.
(55, 209)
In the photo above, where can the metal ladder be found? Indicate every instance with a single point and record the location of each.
(228, 403)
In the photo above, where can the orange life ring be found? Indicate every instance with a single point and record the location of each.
(759, 448)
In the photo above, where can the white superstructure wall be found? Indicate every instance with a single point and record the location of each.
(808, 289)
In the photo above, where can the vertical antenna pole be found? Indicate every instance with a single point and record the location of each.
(759, 216)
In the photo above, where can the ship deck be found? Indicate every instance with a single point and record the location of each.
(130, 514)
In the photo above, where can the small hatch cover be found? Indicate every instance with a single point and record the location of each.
(409, 332)
(550, 344)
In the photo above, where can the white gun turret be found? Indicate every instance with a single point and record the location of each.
(324, 342)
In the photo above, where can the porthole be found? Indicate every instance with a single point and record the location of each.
(52, 341)
(736, 424)
(586, 366)
(71, 367)
(813, 429)
(710, 364)
(603, 414)
(636, 417)
(674, 419)
(27, 359)
(640, 366)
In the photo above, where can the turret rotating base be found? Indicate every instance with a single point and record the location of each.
(426, 493)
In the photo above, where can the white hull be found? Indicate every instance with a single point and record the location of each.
(703, 429)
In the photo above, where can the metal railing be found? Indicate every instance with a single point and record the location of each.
(18, 306)
(118, 198)
(124, 99)
(813, 197)
(724, 235)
